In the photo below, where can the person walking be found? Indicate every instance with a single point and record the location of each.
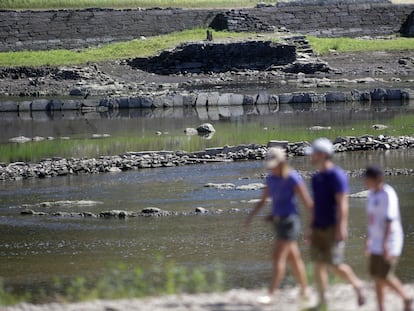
(329, 221)
(385, 237)
(282, 185)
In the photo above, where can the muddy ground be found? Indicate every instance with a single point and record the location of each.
(347, 70)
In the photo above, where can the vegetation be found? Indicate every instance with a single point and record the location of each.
(112, 51)
(122, 281)
(76, 4)
(229, 133)
(326, 45)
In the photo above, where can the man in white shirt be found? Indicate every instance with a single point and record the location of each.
(385, 236)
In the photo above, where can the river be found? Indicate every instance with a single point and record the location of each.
(34, 250)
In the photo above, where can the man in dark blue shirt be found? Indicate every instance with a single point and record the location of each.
(329, 222)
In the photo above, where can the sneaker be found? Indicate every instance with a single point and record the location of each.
(264, 300)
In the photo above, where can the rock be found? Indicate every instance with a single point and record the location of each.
(253, 186)
(190, 131)
(201, 210)
(158, 133)
(114, 169)
(320, 128)
(360, 195)
(151, 210)
(206, 128)
(223, 186)
(114, 213)
(379, 127)
(278, 143)
(20, 139)
(38, 138)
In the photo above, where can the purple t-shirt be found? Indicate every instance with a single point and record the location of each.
(326, 185)
(282, 192)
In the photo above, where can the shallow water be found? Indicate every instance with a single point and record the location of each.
(33, 250)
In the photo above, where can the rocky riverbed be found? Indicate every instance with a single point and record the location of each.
(343, 70)
(154, 159)
(341, 298)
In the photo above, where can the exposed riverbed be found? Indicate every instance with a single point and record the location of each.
(35, 249)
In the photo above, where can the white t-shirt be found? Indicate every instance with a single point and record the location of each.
(383, 206)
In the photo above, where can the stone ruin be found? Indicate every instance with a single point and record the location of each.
(218, 57)
(240, 21)
(407, 28)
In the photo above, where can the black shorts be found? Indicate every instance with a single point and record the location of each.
(288, 228)
(381, 268)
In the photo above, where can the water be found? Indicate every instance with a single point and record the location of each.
(34, 250)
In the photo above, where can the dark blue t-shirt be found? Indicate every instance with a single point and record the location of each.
(326, 185)
(282, 193)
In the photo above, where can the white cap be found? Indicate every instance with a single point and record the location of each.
(274, 157)
(323, 145)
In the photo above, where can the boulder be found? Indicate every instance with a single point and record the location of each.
(251, 187)
(206, 128)
(248, 100)
(20, 139)
(262, 98)
(223, 186)
(151, 210)
(190, 131)
(278, 143)
(201, 210)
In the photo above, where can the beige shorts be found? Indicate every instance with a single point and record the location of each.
(324, 247)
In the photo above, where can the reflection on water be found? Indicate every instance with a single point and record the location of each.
(147, 121)
(35, 249)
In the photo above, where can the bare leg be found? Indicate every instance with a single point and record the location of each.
(280, 255)
(380, 291)
(321, 277)
(346, 272)
(298, 268)
(395, 284)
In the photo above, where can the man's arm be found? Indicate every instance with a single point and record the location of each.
(304, 195)
(342, 204)
(386, 237)
(259, 206)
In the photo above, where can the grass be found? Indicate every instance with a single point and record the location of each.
(76, 4)
(326, 45)
(153, 45)
(112, 51)
(121, 281)
(231, 133)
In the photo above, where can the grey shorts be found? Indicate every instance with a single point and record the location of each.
(287, 228)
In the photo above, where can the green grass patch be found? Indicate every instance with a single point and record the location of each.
(79, 4)
(122, 281)
(228, 133)
(111, 51)
(326, 45)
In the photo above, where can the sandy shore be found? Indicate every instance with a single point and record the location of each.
(341, 298)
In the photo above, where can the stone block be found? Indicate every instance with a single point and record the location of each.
(262, 98)
(40, 105)
(134, 102)
(25, 106)
(71, 105)
(278, 143)
(9, 106)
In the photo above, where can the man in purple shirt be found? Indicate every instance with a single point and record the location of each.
(329, 220)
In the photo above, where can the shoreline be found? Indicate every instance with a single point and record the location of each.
(58, 166)
(341, 298)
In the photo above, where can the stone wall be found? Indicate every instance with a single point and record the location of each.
(337, 19)
(39, 30)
